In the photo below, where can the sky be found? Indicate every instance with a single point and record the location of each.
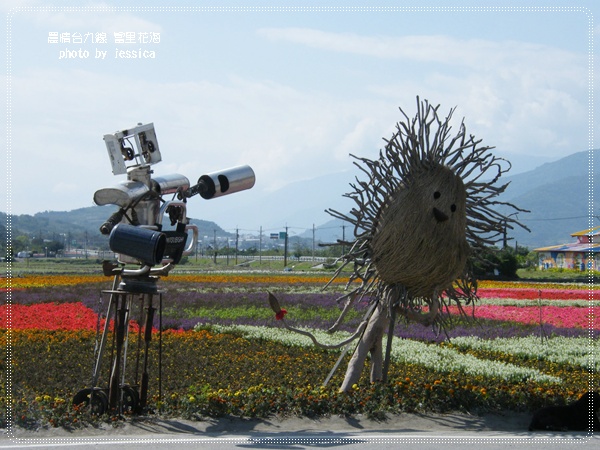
(290, 91)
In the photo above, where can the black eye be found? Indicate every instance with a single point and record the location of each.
(436, 195)
(453, 208)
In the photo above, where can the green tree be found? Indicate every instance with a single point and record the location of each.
(508, 263)
(493, 260)
(20, 243)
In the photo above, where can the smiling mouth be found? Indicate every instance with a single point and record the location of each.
(439, 215)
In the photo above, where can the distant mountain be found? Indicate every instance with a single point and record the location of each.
(330, 231)
(79, 225)
(557, 194)
(75, 226)
(298, 205)
(576, 164)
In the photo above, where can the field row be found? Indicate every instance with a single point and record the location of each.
(223, 351)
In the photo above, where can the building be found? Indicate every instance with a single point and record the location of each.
(578, 255)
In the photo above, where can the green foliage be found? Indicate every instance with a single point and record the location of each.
(497, 262)
(255, 313)
(508, 263)
(528, 261)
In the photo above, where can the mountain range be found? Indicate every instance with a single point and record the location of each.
(79, 225)
(559, 196)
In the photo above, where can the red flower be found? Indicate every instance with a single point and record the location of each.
(51, 316)
(280, 314)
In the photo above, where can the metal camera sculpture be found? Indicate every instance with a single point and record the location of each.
(422, 216)
(137, 236)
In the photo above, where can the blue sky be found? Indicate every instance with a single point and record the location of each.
(292, 93)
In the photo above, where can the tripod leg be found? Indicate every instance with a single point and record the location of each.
(147, 339)
(96, 374)
(113, 395)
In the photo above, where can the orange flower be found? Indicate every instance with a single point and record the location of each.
(52, 280)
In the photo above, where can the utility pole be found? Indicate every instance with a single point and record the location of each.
(313, 244)
(215, 245)
(260, 246)
(227, 251)
(285, 248)
(237, 237)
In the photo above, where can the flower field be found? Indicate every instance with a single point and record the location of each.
(224, 352)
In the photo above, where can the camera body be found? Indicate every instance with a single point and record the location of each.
(135, 231)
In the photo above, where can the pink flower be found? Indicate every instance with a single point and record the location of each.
(534, 294)
(567, 317)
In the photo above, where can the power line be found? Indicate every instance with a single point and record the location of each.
(556, 218)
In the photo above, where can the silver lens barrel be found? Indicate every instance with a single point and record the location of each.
(225, 182)
(170, 184)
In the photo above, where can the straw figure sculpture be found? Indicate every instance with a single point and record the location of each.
(421, 218)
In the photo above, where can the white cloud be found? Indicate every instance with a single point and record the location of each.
(518, 97)
(528, 97)
(283, 133)
(478, 54)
